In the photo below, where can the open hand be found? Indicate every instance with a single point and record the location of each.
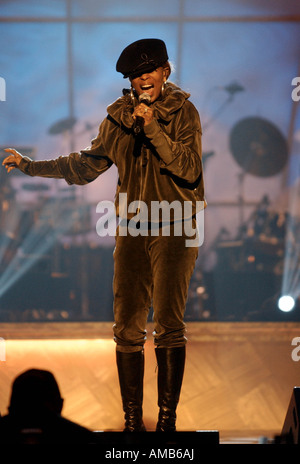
(13, 160)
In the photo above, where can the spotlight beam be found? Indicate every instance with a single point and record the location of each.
(35, 244)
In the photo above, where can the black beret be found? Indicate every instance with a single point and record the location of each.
(142, 56)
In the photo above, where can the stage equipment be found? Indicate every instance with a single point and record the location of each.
(286, 303)
(182, 440)
(35, 187)
(231, 89)
(290, 433)
(206, 155)
(48, 284)
(258, 147)
(62, 125)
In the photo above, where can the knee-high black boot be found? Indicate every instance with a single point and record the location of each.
(171, 363)
(131, 376)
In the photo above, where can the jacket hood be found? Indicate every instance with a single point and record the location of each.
(172, 100)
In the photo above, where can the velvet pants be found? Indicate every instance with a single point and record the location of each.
(151, 270)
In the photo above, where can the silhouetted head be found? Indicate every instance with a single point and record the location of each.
(35, 391)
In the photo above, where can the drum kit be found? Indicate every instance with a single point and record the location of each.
(36, 208)
(260, 150)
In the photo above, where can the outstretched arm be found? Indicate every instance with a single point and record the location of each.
(48, 168)
(76, 168)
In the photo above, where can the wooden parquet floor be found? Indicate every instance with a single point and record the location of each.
(239, 377)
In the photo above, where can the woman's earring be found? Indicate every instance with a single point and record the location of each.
(163, 88)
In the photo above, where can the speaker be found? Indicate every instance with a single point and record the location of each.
(290, 433)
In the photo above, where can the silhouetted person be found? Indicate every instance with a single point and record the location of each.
(35, 413)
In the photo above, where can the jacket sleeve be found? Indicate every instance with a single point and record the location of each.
(76, 168)
(181, 152)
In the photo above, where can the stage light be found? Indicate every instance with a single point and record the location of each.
(286, 303)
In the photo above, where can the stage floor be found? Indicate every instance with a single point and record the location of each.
(238, 380)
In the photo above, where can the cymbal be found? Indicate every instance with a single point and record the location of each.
(35, 187)
(206, 155)
(258, 147)
(62, 126)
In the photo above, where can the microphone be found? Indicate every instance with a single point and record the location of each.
(139, 120)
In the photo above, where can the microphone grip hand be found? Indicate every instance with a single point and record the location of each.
(138, 124)
(142, 115)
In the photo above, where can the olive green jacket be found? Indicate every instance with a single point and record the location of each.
(162, 164)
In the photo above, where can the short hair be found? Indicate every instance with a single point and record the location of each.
(35, 390)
